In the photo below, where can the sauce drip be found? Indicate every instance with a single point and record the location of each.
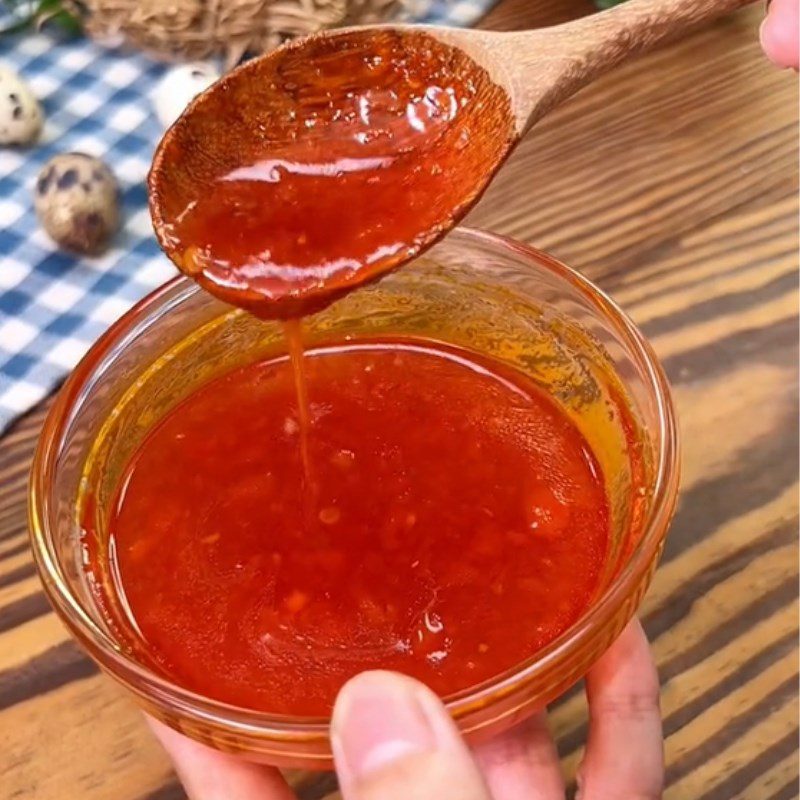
(461, 525)
(293, 333)
(312, 170)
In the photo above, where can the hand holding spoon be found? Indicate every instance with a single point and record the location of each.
(336, 158)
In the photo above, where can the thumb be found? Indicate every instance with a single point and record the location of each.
(393, 740)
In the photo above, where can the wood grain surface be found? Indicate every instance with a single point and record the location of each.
(672, 183)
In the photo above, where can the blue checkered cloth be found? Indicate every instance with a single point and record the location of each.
(53, 305)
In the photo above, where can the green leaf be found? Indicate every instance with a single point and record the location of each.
(603, 4)
(40, 13)
(65, 22)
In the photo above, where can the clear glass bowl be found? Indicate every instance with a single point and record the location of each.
(474, 289)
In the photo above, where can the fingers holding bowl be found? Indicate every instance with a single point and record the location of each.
(625, 748)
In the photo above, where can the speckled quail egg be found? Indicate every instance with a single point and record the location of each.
(179, 86)
(20, 112)
(76, 200)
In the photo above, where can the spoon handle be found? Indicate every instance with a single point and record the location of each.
(638, 26)
(581, 50)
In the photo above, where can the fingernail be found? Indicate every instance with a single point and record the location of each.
(378, 720)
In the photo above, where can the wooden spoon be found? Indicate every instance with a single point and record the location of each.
(338, 157)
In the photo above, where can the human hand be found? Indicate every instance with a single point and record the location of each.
(780, 36)
(393, 740)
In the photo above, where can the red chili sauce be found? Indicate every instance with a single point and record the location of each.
(453, 523)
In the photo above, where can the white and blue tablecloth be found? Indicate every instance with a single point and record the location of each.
(53, 305)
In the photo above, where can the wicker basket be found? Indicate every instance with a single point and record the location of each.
(196, 29)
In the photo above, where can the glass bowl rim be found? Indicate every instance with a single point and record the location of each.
(154, 687)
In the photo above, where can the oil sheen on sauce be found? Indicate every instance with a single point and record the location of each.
(461, 524)
(311, 171)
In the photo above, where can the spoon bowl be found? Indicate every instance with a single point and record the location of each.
(323, 165)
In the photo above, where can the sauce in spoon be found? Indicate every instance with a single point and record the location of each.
(310, 171)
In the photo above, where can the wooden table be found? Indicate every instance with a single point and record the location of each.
(673, 184)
